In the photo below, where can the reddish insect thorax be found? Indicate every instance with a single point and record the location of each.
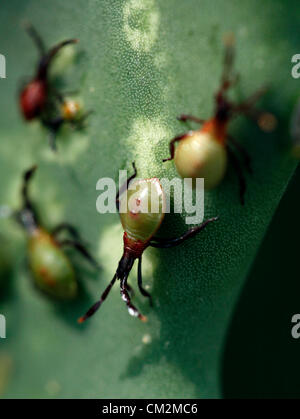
(216, 128)
(132, 247)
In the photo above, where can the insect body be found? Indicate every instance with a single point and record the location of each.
(141, 212)
(69, 112)
(204, 153)
(35, 95)
(39, 99)
(52, 270)
(33, 99)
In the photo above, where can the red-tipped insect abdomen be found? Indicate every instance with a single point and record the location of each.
(33, 99)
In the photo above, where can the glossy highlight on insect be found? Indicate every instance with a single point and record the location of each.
(139, 233)
(51, 268)
(204, 153)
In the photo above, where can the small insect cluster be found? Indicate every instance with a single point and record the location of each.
(202, 153)
(40, 99)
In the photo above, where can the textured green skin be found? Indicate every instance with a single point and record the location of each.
(51, 269)
(143, 225)
(199, 155)
(137, 96)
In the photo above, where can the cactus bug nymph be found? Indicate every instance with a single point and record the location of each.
(51, 268)
(70, 111)
(39, 99)
(139, 233)
(204, 153)
(33, 96)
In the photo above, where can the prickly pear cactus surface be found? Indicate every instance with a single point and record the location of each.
(138, 65)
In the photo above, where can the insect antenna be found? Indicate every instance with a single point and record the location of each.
(47, 58)
(32, 32)
(265, 120)
(97, 305)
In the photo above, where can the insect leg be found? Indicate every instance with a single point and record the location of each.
(47, 58)
(52, 140)
(97, 305)
(130, 289)
(133, 311)
(185, 118)
(172, 146)
(243, 152)
(124, 187)
(67, 227)
(266, 121)
(81, 249)
(52, 126)
(140, 282)
(239, 172)
(35, 37)
(165, 243)
(81, 122)
(247, 105)
(26, 179)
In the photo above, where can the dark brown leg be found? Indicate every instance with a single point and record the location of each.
(52, 126)
(133, 311)
(165, 243)
(81, 122)
(35, 37)
(26, 216)
(241, 178)
(172, 146)
(26, 179)
(97, 305)
(124, 187)
(185, 118)
(246, 107)
(47, 58)
(227, 79)
(52, 140)
(56, 93)
(67, 227)
(140, 282)
(81, 249)
(265, 120)
(243, 152)
(130, 289)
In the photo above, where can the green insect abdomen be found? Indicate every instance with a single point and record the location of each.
(143, 212)
(52, 270)
(200, 155)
